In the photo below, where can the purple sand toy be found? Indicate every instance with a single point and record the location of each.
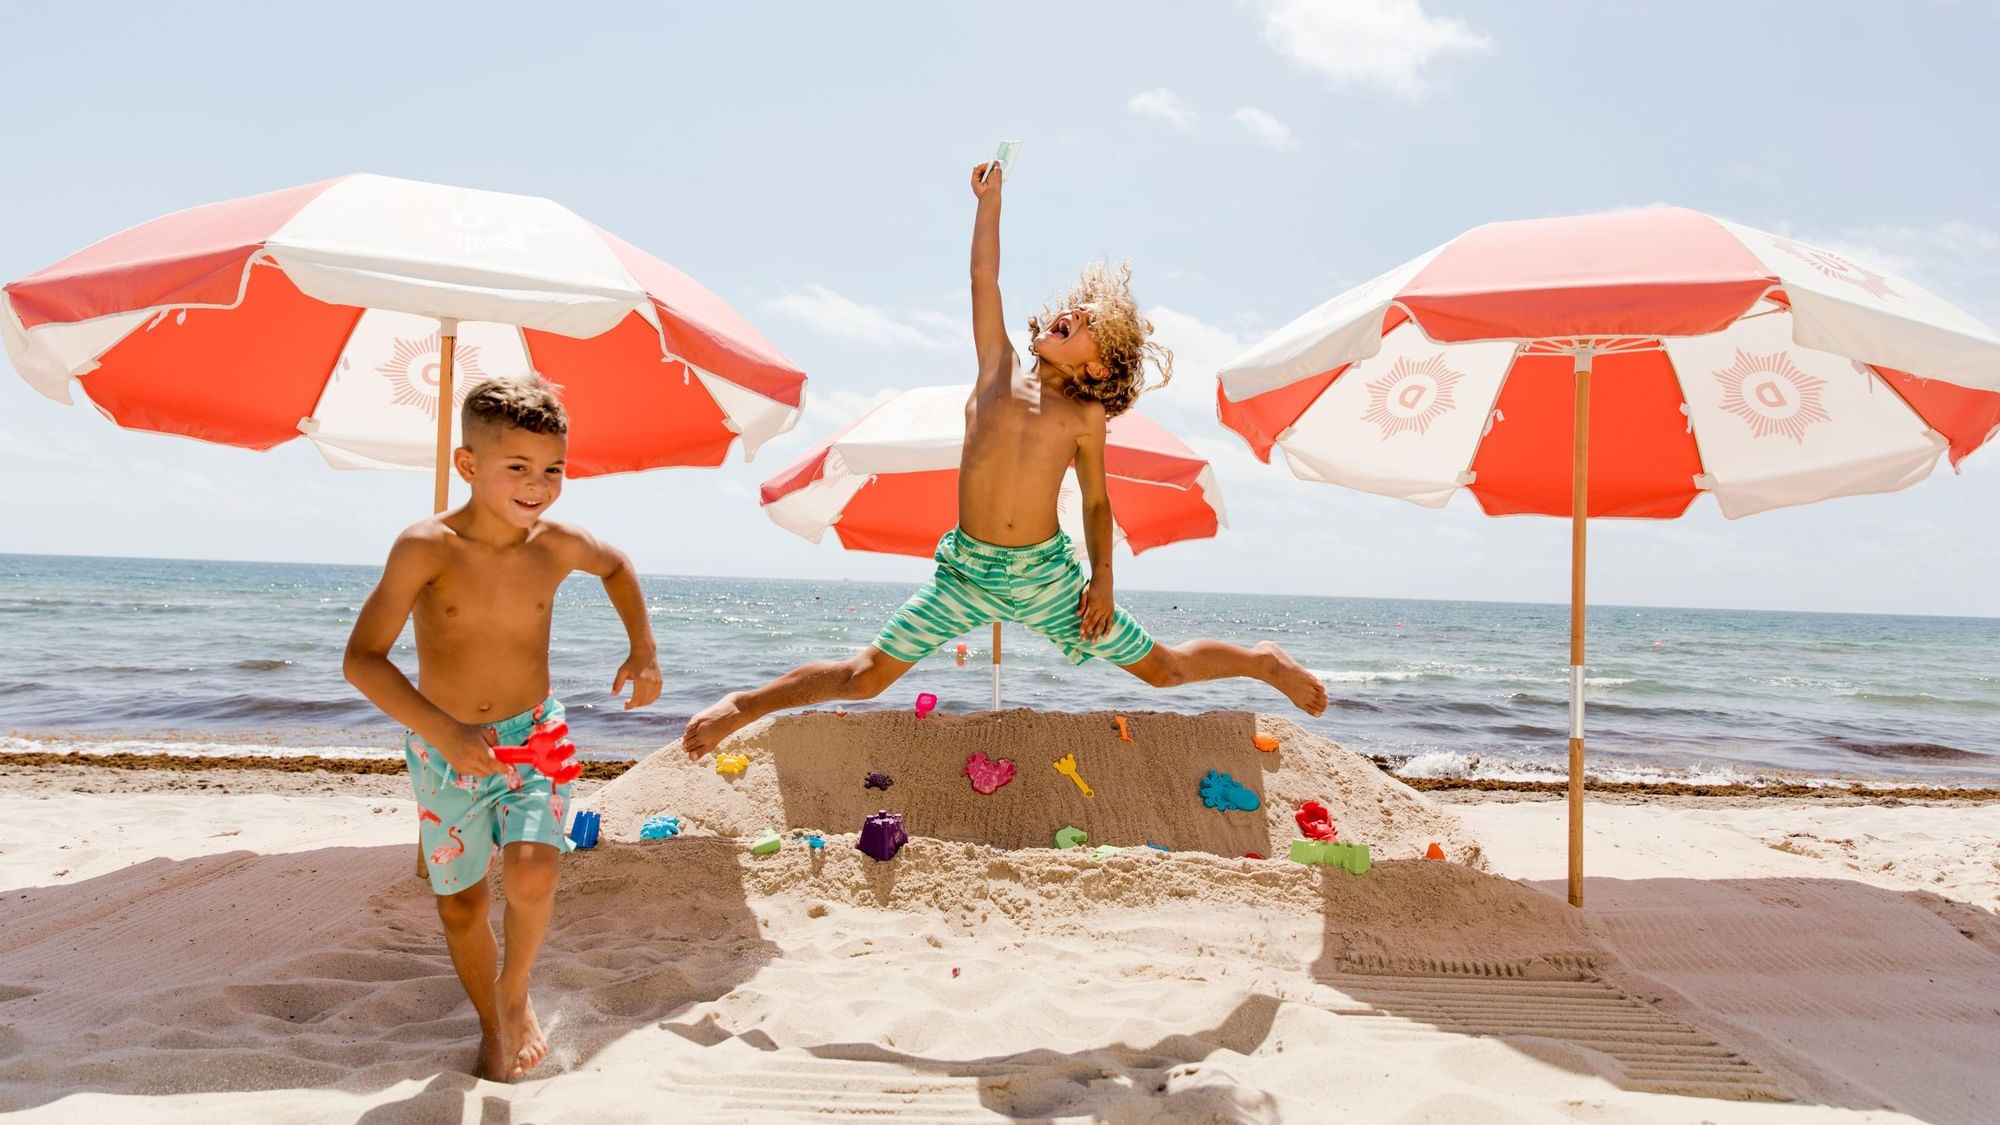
(882, 835)
(987, 775)
(878, 781)
(926, 703)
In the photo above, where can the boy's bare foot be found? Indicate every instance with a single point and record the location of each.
(527, 1046)
(1299, 685)
(706, 731)
(492, 1064)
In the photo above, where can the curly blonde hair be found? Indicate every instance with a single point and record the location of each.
(1123, 338)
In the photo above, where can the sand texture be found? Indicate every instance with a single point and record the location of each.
(195, 957)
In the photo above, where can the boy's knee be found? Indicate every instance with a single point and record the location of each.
(867, 679)
(463, 910)
(1161, 668)
(530, 871)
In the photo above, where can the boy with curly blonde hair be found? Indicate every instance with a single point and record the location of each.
(1008, 559)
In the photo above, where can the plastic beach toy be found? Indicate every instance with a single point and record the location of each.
(767, 844)
(1350, 857)
(1434, 852)
(926, 703)
(1071, 837)
(549, 750)
(878, 781)
(882, 835)
(1265, 742)
(584, 829)
(1104, 851)
(1158, 847)
(815, 842)
(1314, 822)
(661, 827)
(1066, 766)
(987, 775)
(1223, 793)
(732, 763)
(1124, 731)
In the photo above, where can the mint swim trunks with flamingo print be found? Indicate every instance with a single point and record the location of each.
(465, 821)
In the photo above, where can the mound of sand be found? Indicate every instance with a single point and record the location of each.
(806, 772)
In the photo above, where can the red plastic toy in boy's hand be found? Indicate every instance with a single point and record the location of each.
(1315, 822)
(549, 750)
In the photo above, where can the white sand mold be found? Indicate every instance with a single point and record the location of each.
(182, 975)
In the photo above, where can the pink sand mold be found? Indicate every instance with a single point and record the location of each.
(549, 750)
(926, 703)
(880, 781)
(882, 835)
(987, 775)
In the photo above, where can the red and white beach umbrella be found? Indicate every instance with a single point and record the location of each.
(1620, 365)
(889, 483)
(339, 310)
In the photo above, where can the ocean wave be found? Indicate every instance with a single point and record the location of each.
(1363, 677)
(261, 665)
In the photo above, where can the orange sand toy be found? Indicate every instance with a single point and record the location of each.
(1066, 766)
(1434, 852)
(732, 763)
(1264, 742)
(1124, 732)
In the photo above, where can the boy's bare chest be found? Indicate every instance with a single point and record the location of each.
(1021, 429)
(489, 596)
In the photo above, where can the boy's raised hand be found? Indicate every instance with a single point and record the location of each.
(991, 184)
(643, 672)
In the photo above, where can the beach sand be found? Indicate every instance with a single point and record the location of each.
(251, 946)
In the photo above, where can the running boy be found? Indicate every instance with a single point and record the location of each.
(1008, 559)
(481, 579)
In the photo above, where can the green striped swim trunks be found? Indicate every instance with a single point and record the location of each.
(979, 583)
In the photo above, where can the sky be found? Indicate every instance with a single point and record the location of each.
(808, 163)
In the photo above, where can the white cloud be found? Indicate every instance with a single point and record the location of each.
(1266, 128)
(837, 315)
(1162, 103)
(1385, 43)
(1200, 349)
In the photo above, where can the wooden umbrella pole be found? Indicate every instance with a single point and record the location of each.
(447, 344)
(1579, 519)
(441, 470)
(996, 665)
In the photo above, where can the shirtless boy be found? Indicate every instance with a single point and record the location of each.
(1008, 559)
(481, 579)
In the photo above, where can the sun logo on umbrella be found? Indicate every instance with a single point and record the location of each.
(413, 371)
(1412, 395)
(1772, 395)
(1838, 268)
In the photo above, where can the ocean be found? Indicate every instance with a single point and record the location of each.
(105, 654)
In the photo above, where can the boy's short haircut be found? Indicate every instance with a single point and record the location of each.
(523, 404)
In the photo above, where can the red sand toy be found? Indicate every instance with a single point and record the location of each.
(1434, 852)
(1265, 742)
(549, 750)
(1315, 823)
(1124, 732)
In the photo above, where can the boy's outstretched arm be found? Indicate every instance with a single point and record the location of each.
(621, 584)
(1099, 607)
(413, 563)
(989, 324)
